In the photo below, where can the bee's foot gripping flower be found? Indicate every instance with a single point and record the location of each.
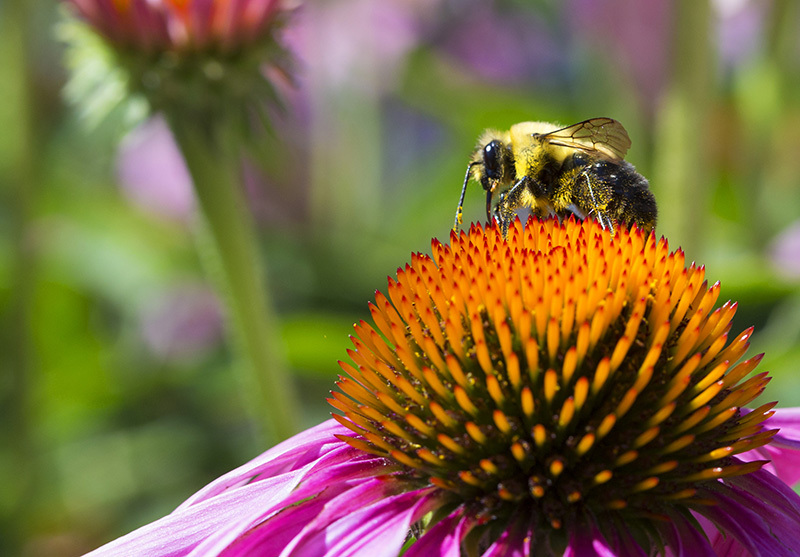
(559, 392)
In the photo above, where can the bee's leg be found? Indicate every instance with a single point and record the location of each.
(511, 200)
(498, 213)
(595, 207)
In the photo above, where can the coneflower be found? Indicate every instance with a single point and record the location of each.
(559, 392)
(198, 57)
(209, 67)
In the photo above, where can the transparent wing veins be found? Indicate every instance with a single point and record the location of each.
(602, 135)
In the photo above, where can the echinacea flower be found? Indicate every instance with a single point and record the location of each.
(211, 68)
(179, 25)
(198, 56)
(559, 392)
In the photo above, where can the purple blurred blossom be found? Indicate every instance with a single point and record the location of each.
(182, 322)
(355, 43)
(509, 47)
(152, 172)
(740, 29)
(636, 35)
(785, 251)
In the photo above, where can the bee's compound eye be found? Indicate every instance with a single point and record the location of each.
(491, 159)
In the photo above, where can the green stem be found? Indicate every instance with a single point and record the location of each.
(24, 461)
(213, 163)
(680, 165)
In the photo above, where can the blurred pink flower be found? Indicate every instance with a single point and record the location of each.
(636, 35)
(152, 172)
(356, 43)
(740, 29)
(182, 322)
(179, 24)
(512, 46)
(785, 251)
(201, 60)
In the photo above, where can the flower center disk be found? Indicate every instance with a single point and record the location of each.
(561, 370)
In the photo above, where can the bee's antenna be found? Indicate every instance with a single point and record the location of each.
(460, 210)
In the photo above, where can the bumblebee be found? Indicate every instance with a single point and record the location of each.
(579, 169)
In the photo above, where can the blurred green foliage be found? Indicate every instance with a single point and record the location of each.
(114, 410)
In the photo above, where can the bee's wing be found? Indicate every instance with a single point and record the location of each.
(602, 135)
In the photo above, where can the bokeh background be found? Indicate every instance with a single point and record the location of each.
(117, 395)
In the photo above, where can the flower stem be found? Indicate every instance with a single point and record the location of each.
(20, 368)
(680, 162)
(212, 158)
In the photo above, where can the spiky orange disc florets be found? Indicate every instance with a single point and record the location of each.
(561, 368)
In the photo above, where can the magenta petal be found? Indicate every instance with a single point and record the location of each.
(722, 544)
(377, 529)
(686, 540)
(335, 473)
(622, 543)
(589, 544)
(274, 535)
(785, 463)
(339, 471)
(760, 511)
(235, 502)
(368, 493)
(784, 449)
(293, 453)
(788, 420)
(771, 492)
(178, 533)
(444, 539)
(589, 540)
(511, 543)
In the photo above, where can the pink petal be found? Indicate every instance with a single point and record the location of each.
(588, 540)
(784, 449)
(348, 528)
(332, 476)
(511, 543)
(273, 536)
(595, 544)
(178, 533)
(444, 539)
(686, 540)
(759, 511)
(301, 449)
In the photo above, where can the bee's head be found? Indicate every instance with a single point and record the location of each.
(492, 165)
(492, 161)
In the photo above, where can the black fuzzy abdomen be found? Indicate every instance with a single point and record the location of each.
(612, 190)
